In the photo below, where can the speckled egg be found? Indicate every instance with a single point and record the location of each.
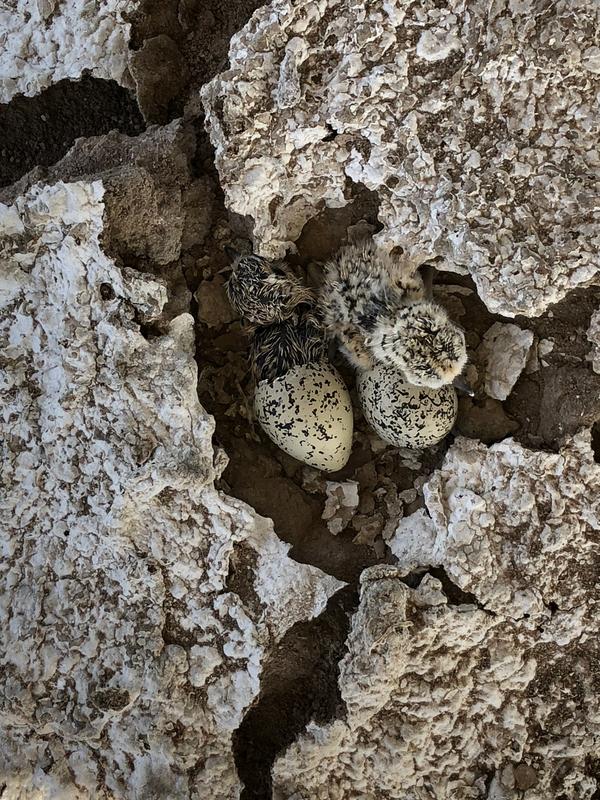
(308, 414)
(402, 414)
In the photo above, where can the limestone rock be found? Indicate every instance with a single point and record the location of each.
(516, 527)
(479, 695)
(504, 350)
(593, 336)
(474, 124)
(486, 421)
(340, 505)
(46, 41)
(137, 603)
(152, 203)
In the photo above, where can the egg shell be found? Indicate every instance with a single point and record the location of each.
(402, 414)
(308, 414)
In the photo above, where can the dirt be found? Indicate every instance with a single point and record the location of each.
(299, 684)
(191, 37)
(38, 131)
(555, 395)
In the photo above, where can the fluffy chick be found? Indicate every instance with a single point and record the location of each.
(276, 348)
(263, 291)
(377, 307)
(422, 342)
(285, 326)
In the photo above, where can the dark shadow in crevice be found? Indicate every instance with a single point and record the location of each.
(596, 441)
(456, 596)
(198, 35)
(38, 131)
(330, 136)
(299, 683)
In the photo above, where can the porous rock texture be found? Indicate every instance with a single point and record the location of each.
(137, 602)
(593, 336)
(484, 692)
(44, 41)
(473, 121)
(154, 208)
(504, 351)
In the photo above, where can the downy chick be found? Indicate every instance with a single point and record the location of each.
(380, 311)
(263, 291)
(286, 329)
(275, 349)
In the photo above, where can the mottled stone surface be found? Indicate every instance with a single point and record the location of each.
(478, 695)
(137, 603)
(473, 121)
(154, 206)
(44, 41)
(341, 504)
(593, 336)
(518, 528)
(504, 352)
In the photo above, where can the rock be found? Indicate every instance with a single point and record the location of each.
(368, 527)
(525, 777)
(480, 689)
(593, 336)
(486, 420)
(137, 603)
(45, 42)
(149, 195)
(517, 528)
(460, 118)
(214, 309)
(341, 504)
(545, 347)
(504, 350)
(533, 362)
(159, 72)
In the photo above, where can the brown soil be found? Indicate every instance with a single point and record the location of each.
(38, 131)
(193, 36)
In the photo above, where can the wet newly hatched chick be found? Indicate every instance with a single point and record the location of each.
(277, 348)
(378, 309)
(263, 291)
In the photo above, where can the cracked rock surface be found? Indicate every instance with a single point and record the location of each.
(45, 41)
(473, 122)
(137, 602)
(504, 351)
(486, 686)
(593, 336)
(159, 639)
(152, 206)
(518, 528)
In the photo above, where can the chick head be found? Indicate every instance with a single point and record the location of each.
(264, 291)
(423, 343)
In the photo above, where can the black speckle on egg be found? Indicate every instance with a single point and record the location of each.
(405, 415)
(308, 414)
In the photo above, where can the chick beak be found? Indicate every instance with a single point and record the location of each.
(461, 385)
